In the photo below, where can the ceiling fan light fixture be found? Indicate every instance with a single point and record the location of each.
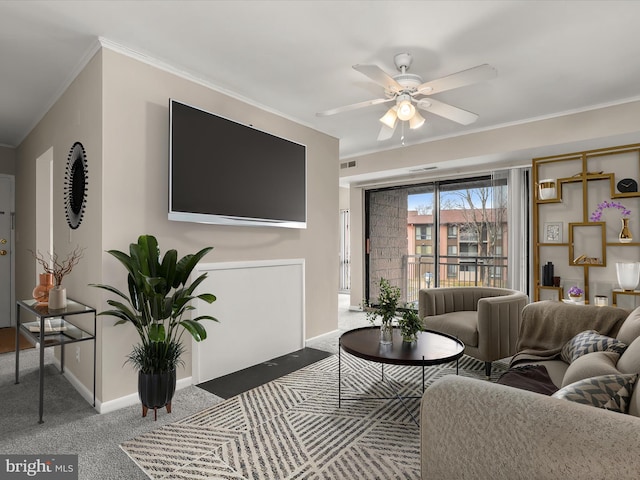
(416, 121)
(390, 118)
(406, 110)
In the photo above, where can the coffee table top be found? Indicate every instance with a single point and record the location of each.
(432, 348)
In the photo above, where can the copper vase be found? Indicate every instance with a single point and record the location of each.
(41, 292)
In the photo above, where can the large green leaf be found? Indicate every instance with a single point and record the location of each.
(148, 252)
(207, 297)
(196, 330)
(187, 264)
(169, 266)
(125, 259)
(157, 333)
(110, 289)
(205, 317)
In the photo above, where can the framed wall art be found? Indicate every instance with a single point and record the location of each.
(552, 232)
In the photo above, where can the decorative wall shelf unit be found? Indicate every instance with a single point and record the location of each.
(584, 180)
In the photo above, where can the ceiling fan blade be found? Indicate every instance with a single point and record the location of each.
(447, 111)
(379, 76)
(353, 106)
(386, 133)
(457, 80)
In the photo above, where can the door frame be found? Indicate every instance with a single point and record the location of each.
(12, 242)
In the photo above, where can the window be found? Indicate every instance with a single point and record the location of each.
(452, 271)
(452, 231)
(452, 250)
(424, 249)
(468, 250)
(469, 234)
(423, 232)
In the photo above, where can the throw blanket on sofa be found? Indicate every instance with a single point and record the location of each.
(534, 378)
(547, 326)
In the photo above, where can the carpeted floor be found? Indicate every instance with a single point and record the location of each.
(293, 428)
(8, 340)
(71, 425)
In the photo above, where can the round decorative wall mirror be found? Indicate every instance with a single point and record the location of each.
(75, 185)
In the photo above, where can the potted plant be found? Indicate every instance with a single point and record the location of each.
(385, 309)
(159, 296)
(410, 324)
(575, 294)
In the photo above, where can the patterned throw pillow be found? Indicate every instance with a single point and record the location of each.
(590, 341)
(611, 392)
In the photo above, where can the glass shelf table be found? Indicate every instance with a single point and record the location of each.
(53, 328)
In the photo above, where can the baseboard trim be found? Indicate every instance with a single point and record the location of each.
(133, 399)
(111, 405)
(320, 337)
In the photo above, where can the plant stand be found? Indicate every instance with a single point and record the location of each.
(145, 410)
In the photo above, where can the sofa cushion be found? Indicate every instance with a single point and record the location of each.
(630, 329)
(587, 342)
(630, 360)
(463, 325)
(592, 364)
(611, 392)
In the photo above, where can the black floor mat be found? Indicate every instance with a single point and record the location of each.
(252, 377)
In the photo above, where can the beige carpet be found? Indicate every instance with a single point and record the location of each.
(8, 340)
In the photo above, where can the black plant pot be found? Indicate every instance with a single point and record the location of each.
(156, 391)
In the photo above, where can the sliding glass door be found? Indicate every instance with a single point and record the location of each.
(449, 233)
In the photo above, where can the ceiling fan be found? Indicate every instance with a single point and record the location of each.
(406, 91)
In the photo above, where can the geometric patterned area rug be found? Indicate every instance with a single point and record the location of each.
(292, 428)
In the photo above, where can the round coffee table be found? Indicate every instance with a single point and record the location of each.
(431, 348)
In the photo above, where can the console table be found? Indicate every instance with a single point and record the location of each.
(51, 329)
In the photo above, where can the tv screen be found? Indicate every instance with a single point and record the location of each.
(223, 172)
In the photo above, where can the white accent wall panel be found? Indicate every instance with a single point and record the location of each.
(260, 305)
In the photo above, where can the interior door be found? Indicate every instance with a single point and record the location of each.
(6, 250)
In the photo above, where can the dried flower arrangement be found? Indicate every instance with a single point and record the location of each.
(56, 267)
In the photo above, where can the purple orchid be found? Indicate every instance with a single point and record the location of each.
(597, 214)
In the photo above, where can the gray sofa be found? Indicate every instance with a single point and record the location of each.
(473, 429)
(485, 319)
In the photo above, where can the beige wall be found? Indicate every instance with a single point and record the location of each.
(118, 107)
(76, 116)
(344, 198)
(136, 125)
(7, 160)
(599, 128)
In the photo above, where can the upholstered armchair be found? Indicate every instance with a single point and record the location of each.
(485, 319)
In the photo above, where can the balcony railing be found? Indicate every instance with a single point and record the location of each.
(452, 271)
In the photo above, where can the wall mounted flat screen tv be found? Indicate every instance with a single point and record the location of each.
(224, 172)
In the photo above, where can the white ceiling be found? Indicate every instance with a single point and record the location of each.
(295, 57)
